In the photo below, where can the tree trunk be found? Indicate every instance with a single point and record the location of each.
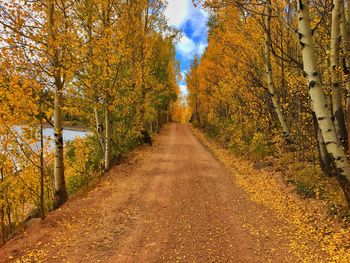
(60, 196)
(9, 220)
(345, 28)
(159, 120)
(269, 77)
(42, 170)
(3, 225)
(337, 107)
(325, 160)
(60, 184)
(108, 141)
(319, 102)
(347, 12)
(99, 129)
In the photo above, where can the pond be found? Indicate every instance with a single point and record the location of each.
(68, 135)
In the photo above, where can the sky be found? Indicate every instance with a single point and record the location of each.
(192, 22)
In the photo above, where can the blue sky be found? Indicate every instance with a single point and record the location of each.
(192, 21)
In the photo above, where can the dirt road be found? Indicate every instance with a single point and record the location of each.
(171, 203)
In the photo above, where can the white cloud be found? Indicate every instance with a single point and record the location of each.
(178, 11)
(183, 90)
(201, 48)
(198, 19)
(186, 46)
(193, 22)
(183, 74)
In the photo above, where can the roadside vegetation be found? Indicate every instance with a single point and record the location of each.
(105, 67)
(273, 86)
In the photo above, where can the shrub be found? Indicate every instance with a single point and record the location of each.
(83, 162)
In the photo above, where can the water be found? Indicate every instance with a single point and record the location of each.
(68, 135)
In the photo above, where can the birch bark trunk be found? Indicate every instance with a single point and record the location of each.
(108, 141)
(42, 169)
(345, 28)
(318, 99)
(99, 129)
(337, 107)
(325, 160)
(60, 196)
(269, 77)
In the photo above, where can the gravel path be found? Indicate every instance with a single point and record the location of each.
(171, 203)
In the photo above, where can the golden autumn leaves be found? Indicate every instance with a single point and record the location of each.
(251, 50)
(105, 64)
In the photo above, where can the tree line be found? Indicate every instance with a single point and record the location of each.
(109, 63)
(275, 78)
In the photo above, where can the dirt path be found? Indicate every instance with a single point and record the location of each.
(176, 203)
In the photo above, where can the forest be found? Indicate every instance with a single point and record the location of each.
(107, 66)
(126, 155)
(274, 83)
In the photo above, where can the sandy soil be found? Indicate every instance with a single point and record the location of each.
(171, 203)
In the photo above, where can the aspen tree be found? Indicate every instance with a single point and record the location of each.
(108, 140)
(269, 77)
(69, 51)
(325, 161)
(318, 99)
(99, 129)
(337, 107)
(107, 52)
(60, 184)
(345, 36)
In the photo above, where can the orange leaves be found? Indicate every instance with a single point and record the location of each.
(96, 55)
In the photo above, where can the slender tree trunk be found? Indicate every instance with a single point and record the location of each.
(3, 225)
(337, 107)
(269, 77)
(159, 120)
(60, 184)
(108, 141)
(60, 196)
(347, 12)
(9, 220)
(2, 215)
(99, 129)
(42, 170)
(345, 28)
(318, 100)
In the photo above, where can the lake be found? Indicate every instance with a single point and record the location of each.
(68, 135)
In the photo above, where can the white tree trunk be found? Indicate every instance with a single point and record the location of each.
(325, 161)
(318, 99)
(60, 185)
(108, 141)
(345, 28)
(99, 129)
(60, 196)
(324, 156)
(42, 168)
(269, 77)
(347, 12)
(337, 107)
